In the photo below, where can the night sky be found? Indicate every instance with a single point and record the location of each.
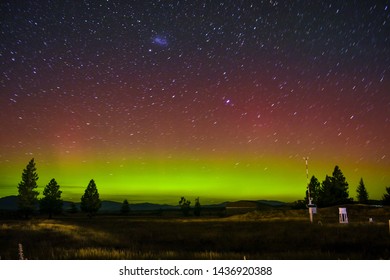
(217, 99)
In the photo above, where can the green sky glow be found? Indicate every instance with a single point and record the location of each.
(165, 180)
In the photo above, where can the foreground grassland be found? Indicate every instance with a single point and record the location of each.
(272, 234)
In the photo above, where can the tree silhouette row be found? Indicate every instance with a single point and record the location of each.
(334, 191)
(51, 203)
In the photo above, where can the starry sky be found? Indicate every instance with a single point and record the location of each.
(217, 99)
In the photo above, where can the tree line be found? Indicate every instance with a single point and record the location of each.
(334, 190)
(51, 203)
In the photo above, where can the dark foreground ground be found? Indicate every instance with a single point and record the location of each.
(272, 234)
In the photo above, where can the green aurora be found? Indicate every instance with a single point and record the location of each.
(165, 181)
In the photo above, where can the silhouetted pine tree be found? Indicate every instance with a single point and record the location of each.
(90, 202)
(325, 197)
(28, 196)
(341, 194)
(51, 203)
(362, 194)
(334, 190)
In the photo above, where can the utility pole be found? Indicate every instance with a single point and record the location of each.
(310, 204)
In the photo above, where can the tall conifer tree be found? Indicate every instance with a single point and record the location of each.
(51, 203)
(90, 201)
(334, 189)
(340, 185)
(362, 194)
(28, 196)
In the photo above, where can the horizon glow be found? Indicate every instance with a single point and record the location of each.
(166, 181)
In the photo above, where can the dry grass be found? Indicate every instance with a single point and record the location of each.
(275, 234)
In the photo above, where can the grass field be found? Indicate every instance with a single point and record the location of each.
(272, 234)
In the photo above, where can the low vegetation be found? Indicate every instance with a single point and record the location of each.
(271, 234)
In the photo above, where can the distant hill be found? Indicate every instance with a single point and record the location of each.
(112, 206)
(273, 203)
(10, 203)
